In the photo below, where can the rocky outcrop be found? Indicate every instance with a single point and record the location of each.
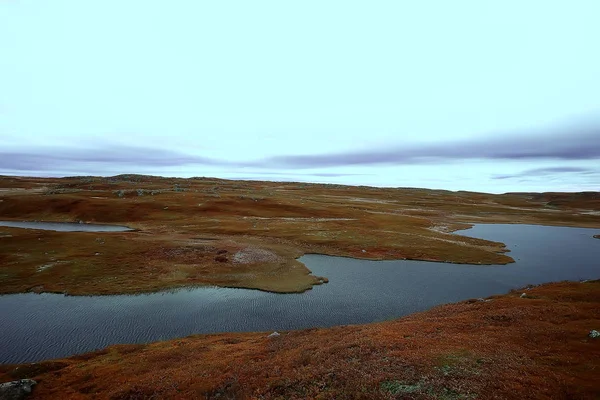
(16, 390)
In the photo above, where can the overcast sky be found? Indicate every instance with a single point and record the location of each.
(475, 95)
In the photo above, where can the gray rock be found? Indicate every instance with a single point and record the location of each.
(274, 334)
(523, 295)
(16, 390)
(594, 334)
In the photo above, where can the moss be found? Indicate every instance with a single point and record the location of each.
(398, 387)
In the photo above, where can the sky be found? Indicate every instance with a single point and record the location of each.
(462, 95)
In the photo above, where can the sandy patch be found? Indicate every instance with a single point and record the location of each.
(251, 255)
(310, 219)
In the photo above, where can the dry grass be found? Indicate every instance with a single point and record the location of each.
(109, 263)
(184, 223)
(509, 347)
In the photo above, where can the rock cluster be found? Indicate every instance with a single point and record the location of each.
(16, 390)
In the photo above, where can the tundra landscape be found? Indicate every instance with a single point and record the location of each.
(271, 200)
(244, 234)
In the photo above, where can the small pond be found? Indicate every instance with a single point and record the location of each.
(41, 326)
(65, 226)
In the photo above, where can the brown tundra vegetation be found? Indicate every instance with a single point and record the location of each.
(245, 234)
(202, 231)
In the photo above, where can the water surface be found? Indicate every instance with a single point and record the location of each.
(65, 226)
(41, 326)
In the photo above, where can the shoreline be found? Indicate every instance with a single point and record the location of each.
(266, 224)
(442, 354)
(314, 280)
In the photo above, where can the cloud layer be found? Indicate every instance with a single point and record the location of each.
(540, 172)
(35, 159)
(571, 143)
(574, 143)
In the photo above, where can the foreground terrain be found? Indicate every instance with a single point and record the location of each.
(203, 231)
(512, 346)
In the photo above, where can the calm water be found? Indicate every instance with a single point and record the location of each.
(65, 226)
(40, 326)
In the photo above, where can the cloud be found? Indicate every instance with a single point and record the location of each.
(548, 171)
(571, 142)
(65, 157)
(336, 175)
(320, 174)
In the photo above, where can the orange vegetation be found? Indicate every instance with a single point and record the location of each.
(536, 347)
(203, 231)
(248, 234)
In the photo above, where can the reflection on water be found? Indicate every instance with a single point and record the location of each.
(42, 326)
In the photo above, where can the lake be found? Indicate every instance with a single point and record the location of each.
(42, 326)
(64, 226)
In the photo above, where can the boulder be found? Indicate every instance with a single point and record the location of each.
(274, 335)
(16, 390)
(594, 334)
